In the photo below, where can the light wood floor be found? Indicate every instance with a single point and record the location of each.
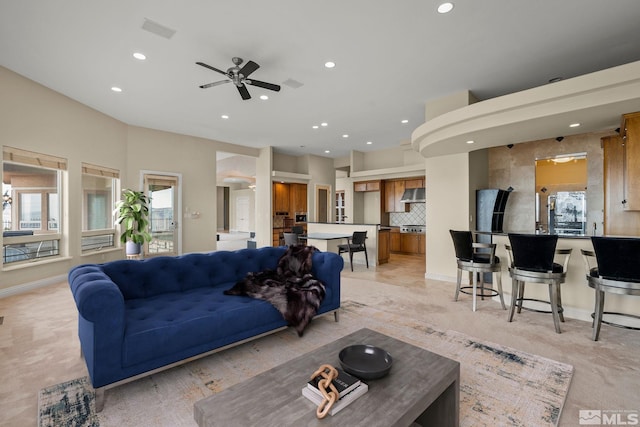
(39, 345)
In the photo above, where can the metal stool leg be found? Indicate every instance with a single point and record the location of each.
(514, 298)
(553, 296)
(458, 284)
(475, 290)
(520, 296)
(560, 309)
(597, 314)
(499, 282)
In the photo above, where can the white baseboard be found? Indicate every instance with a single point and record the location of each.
(26, 287)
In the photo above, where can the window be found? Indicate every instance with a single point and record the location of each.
(31, 209)
(98, 194)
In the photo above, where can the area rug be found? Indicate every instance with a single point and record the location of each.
(499, 386)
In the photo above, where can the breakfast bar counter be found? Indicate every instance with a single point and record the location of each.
(326, 242)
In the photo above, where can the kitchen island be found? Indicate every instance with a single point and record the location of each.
(329, 236)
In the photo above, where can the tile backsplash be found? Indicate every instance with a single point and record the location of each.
(417, 216)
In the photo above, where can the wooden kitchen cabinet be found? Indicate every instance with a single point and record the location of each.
(366, 186)
(409, 243)
(384, 246)
(630, 131)
(617, 220)
(281, 197)
(394, 239)
(298, 198)
(393, 191)
(422, 244)
(414, 183)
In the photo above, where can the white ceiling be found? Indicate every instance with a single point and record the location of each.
(391, 56)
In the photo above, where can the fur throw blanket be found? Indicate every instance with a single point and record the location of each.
(291, 289)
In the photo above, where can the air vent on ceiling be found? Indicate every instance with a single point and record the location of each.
(158, 29)
(294, 84)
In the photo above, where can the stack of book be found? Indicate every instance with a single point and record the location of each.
(348, 386)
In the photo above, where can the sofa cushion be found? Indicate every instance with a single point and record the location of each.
(169, 323)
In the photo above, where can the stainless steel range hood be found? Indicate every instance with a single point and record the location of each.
(413, 195)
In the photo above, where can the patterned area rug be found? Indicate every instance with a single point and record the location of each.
(500, 386)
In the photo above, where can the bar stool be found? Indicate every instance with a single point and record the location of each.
(477, 259)
(618, 272)
(531, 259)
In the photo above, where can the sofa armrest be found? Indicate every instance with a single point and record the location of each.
(96, 296)
(327, 267)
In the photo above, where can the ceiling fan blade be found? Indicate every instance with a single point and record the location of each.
(263, 85)
(202, 64)
(215, 84)
(248, 68)
(244, 92)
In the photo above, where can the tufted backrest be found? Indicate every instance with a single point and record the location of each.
(153, 276)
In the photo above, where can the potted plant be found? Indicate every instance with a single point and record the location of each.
(132, 213)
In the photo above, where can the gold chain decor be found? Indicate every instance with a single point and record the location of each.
(325, 385)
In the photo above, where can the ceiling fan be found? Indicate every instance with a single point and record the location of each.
(239, 76)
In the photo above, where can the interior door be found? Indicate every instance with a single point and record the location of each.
(163, 192)
(242, 213)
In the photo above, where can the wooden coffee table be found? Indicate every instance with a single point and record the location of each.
(422, 386)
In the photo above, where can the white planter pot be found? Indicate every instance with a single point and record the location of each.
(131, 248)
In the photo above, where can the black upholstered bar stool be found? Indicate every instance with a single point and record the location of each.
(532, 261)
(618, 272)
(477, 259)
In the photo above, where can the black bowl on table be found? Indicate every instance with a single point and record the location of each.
(366, 362)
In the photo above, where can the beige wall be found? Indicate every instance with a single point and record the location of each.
(36, 118)
(447, 208)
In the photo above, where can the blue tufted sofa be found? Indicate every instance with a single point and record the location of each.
(137, 317)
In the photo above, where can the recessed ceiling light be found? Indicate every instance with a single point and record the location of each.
(140, 56)
(329, 64)
(369, 142)
(116, 89)
(315, 126)
(345, 136)
(264, 97)
(445, 7)
(405, 121)
(327, 151)
(224, 116)
(324, 124)
(574, 125)
(470, 142)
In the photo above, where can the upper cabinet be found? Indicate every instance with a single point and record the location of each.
(281, 196)
(393, 191)
(298, 198)
(414, 183)
(366, 186)
(630, 131)
(289, 198)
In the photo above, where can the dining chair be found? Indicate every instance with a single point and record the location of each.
(355, 243)
(291, 239)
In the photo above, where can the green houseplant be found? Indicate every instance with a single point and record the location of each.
(133, 214)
